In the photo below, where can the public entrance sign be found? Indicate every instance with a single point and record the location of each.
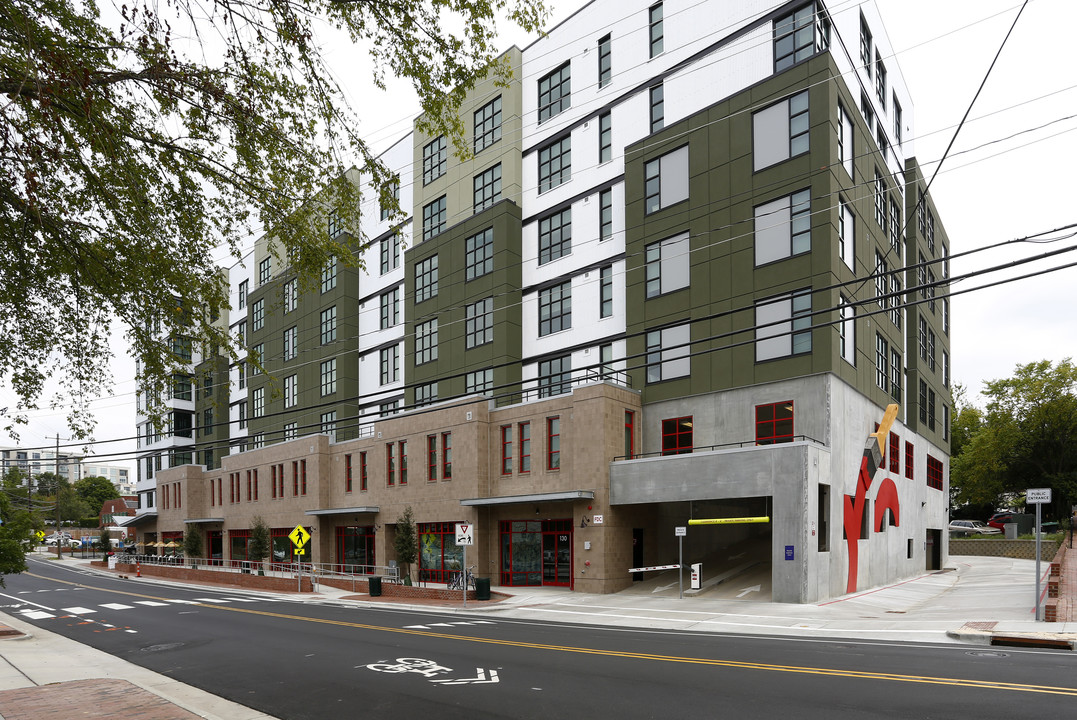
(465, 534)
(1038, 496)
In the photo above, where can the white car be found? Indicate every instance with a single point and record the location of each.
(972, 527)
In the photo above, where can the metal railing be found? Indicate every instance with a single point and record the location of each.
(269, 568)
(724, 446)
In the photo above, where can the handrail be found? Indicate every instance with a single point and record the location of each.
(706, 448)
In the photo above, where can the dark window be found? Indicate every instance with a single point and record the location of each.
(487, 125)
(479, 323)
(677, 436)
(434, 157)
(426, 342)
(605, 202)
(553, 443)
(658, 108)
(555, 92)
(525, 447)
(934, 473)
(426, 278)
(657, 33)
(605, 137)
(555, 308)
(479, 254)
(555, 376)
(605, 65)
(774, 423)
(487, 188)
(605, 306)
(555, 164)
(433, 218)
(555, 236)
(506, 449)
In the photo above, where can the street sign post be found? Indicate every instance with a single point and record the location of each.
(1037, 497)
(465, 535)
(299, 537)
(679, 532)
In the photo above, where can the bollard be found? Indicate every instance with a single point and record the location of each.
(138, 569)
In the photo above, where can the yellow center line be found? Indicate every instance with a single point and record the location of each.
(738, 664)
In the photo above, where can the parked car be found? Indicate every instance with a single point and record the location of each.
(999, 519)
(972, 527)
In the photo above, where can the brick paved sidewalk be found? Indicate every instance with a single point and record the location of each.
(89, 699)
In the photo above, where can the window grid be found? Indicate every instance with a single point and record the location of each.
(390, 308)
(434, 218)
(555, 308)
(389, 360)
(487, 125)
(479, 381)
(605, 137)
(555, 164)
(362, 472)
(426, 341)
(431, 458)
(605, 203)
(605, 64)
(880, 80)
(909, 457)
(553, 443)
(258, 314)
(426, 393)
(882, 360)
(524, 434)
(479, 254)
(329, 274)
(434, 157)
(446, 456)
(798, 124)
(291, 391)
(329, 325)
(426, 279)
(677, 435)
(774, 423)
(506, 449)
(555, 236)
(934, 473)
(264, 269)
(479, 323)
(555, 376)
(794, 37)
(290, 348)
(605, 307)
(258, 400)
(402, 451)
(657, 31)
(555, 92)
(329, 377)
(243, 289)
(658, 108)
(487, 188)
(390, 254)
(895, 375)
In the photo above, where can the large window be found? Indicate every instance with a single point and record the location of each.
(328, 375)
(895, 227)
(657, 32)
(328, 425)
(798, 35)
(291, 391)
(846, 149)
(243, 289)
(783, 326)
(882, 367)
(290, 348)
(426, 278)
(783, 228)
(506, 449)
(847, 331)
(487, 188)
(780, 131)
(555, 164)
(479, 381)
(605, 219)
(479, 323)
(774, 423)
(258, 314)
(555, 308)
(487, 125)
(426, 394)
(865, 45)
(880, 200)
(896, 375)
(389, 361)
(553, 443)
(555, 236)
(394, 191)
(329, 325)
(290, 295)
(329, 274)
(605, 64)
(667, 353)
(605, 137)
(426, 341)
(934, 473)
(923, 401)
(555, 92)
(555, 376)
(479, 254)
(677, 436)
(846, 234)
(880, 80)
(390, 308)
(434, 157)
(666, 180)
(433, 218)
(264, 270)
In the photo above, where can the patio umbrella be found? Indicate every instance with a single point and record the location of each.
(169, 544)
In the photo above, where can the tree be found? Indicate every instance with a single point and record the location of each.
(192, 544)
(95, 490)
(260, 543)
(48, 484)
(70, 505)
(16, 531)
(130, 155)
(1028, 437)
(405, 542)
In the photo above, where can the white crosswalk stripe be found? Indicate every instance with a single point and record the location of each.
(150, 603)
(212, 600)
(78, 610)
(36, 614)
(117, 606)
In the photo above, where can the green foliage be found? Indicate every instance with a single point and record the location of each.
(192, 543)
(94, 491)
(260, 543)
(15, 537)
(71, 506)
(133, 151)
(47, 484)
(1026, 438)
(405, 542)
(104, 542)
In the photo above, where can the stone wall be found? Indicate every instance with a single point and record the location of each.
(1020, 549)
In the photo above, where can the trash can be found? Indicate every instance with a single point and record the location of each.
(1011, 530)
(482, 588)
(374, 584)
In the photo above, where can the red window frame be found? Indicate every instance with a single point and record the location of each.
(774, 423)
(524, 435)
(256, 484)
(895, 453)
(390, 465)
(934, 473)
(402, 446)
(630, 434)
(909, 460)
(212, 493)
(553, 443)
(220, 491)
(303, 483)
(273, 477)
(362, 472)
(677, 435)
(295, 478)
(280, 479)
(446, 456)
(347, 473)
(248, 486)
(431, 458)
(506, 449)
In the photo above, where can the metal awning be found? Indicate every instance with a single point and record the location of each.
(199, 521)
(532, 498)
(130, 521)
(345, 511)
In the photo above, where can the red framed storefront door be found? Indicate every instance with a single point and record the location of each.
(536, 552)
(355, 549)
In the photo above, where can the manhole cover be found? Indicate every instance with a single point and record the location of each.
(987, 653)
(162, 647)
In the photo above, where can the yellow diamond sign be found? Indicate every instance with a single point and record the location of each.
(299, 536)
(40, 534)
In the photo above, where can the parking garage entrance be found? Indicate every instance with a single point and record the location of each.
(536, 552)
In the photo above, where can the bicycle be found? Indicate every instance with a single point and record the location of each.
(455, 579)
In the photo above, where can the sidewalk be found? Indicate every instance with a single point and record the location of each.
(980, 600)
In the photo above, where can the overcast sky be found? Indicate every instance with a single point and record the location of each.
(1008, 176)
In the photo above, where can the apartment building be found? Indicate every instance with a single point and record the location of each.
(684, 267)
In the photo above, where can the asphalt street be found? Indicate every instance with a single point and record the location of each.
(304, 660)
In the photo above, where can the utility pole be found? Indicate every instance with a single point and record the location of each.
(56, 472)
